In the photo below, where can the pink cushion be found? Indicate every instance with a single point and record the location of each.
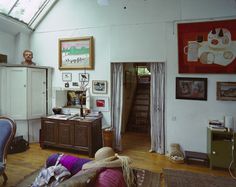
(110, 178)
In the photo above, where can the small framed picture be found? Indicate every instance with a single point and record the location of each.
(83, 77)
(226, 91)
(99, 86)
(191, 88)
(66, 77)
(101, 104)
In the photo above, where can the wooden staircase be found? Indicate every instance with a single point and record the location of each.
(139, 119)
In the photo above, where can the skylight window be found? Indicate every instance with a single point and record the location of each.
(6, 5)
(23, 10)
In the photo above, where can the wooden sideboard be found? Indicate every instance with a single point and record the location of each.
(84, 135)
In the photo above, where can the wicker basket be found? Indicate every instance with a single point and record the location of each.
(176, 161)
(176, 155)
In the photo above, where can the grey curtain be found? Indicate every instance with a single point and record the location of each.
(117, 102)
(157, 107)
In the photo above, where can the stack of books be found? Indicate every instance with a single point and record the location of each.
(216, 125)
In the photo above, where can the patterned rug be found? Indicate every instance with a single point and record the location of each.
(145, 178)
(180, 178)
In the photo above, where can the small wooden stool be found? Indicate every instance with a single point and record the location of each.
(197, 158)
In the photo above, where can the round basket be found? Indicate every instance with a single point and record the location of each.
(176, 161)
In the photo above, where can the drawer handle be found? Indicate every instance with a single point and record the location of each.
(213, 152)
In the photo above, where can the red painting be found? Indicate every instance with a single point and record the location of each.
(100, 103)
(207, 47)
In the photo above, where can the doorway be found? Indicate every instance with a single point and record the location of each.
(136, 106)
(124, 83)
(139, 114)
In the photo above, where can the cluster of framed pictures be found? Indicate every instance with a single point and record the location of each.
(98, 86)
(206, 47)
(78, 54)
(196, 89)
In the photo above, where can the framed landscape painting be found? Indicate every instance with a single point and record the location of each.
(207, 47)
(191, 88)
(226, 91)
(76, 53)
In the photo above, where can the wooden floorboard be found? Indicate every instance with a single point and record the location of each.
(135, 145)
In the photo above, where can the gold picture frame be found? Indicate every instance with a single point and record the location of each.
(76, 53)
(226, 91)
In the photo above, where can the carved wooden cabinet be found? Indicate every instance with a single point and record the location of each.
(82, 135)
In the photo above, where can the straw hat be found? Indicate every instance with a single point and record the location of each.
(106, 157)
(104, 152)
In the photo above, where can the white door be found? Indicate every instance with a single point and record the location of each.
(16, 103)
(36, 93)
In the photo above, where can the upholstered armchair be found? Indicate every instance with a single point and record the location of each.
(7, 133)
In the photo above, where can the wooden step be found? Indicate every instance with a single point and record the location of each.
(141, 108)
(141, 102)
(141, 114)
(140, 91)
(139, 119)
(142, 96)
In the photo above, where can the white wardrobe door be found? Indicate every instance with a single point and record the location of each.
(36, 93)
(16, 93)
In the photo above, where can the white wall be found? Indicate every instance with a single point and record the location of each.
(7, 46)
(14, 39)
(144, 31)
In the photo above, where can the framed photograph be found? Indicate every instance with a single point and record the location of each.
(83, 77)
(191, 88)
(226, 91)
(99, 87)
(101, 104)
(207, 47)
(76, 53)
(66, 77)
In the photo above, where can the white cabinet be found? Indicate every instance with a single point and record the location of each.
(24, 92)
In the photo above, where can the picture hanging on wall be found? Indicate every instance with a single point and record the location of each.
(207, 47)
(76, 53)
(100, 103)
(66, 77)
(226, 91)
(99, 86)
(83, 77)
(191, 88)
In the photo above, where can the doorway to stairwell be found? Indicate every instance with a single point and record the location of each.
(124, 84)
(139, 115)
(136, 107)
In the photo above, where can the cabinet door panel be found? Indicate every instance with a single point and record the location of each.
(50, 132)
(36, 93)
(65, 134)
(81, 135)
(221, 153)
(16, 93)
